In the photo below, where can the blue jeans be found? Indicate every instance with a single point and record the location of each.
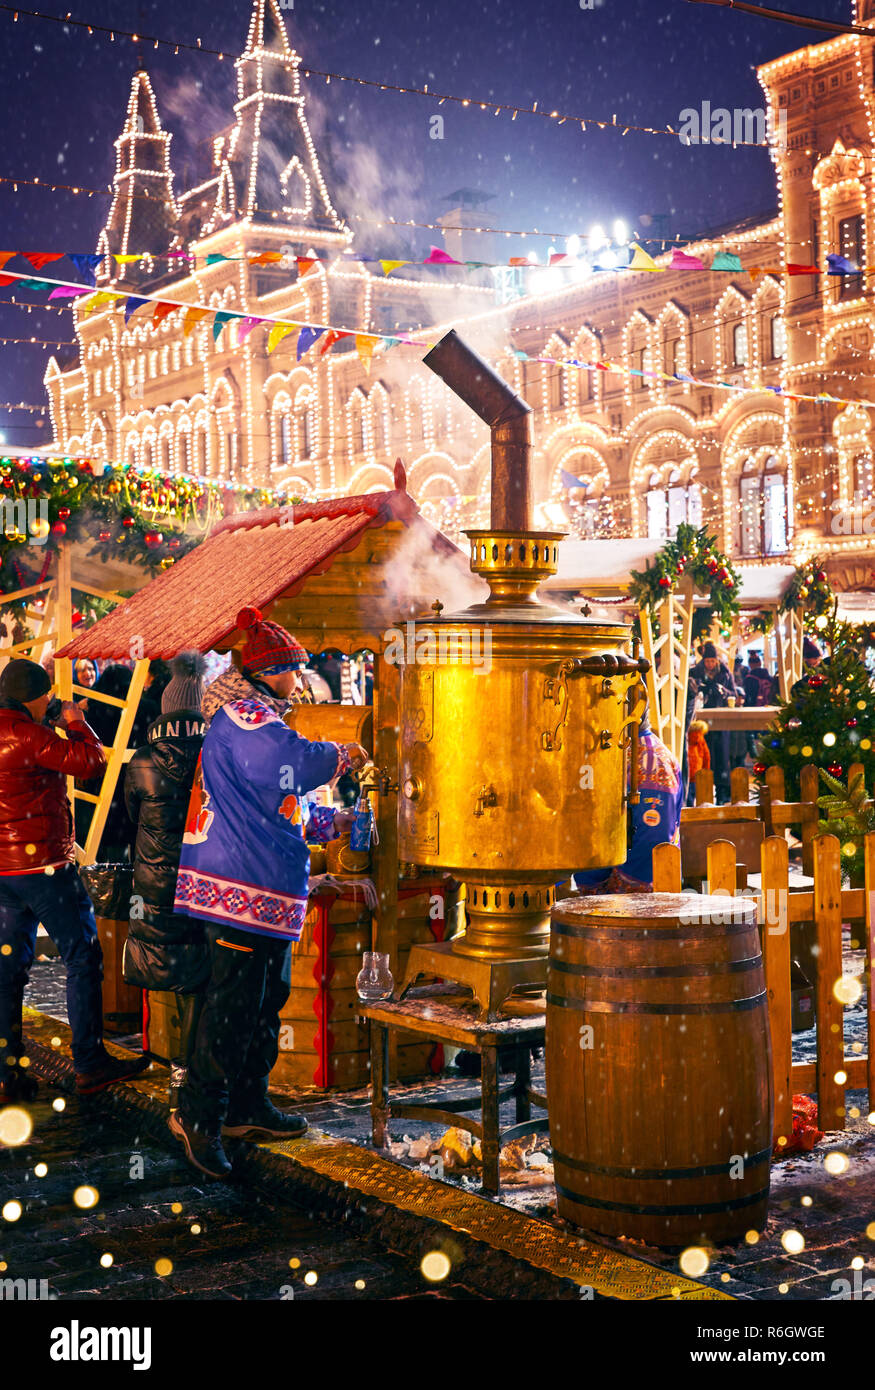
(60, 903)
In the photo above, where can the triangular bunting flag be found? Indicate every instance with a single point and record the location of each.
(519, 260)
(304, 263)
(219, 322)
(132, 303)
(161, 312)
(727, 260)
(389, 266)
(193, 317)
(6, 256)
(266, 258)
(86, 262)
(438, 257)
(215, 259)
(331, 337)
(245, 328)
(641, 260)
(840, 265)
(364, 346)
(129, 258)
(40, 258)
(756, 271)
(88, 306)
(68, 292)
(389, 343)
(793, 269)
(34, 285)
(306, 339)
(277, 333)
(681, 261)
(559, 258)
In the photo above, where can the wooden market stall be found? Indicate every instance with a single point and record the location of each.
(70, 576)
(342, 574)
(596, 573)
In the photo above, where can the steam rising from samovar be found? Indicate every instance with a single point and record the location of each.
(515, 722)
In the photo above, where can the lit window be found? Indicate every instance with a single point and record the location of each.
(851, 247)
(863, 476)
(778, 331)
(739, 345)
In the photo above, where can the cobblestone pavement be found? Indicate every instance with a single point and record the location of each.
(222, 1241)
(834, 1219)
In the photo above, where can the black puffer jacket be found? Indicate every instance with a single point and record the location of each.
(164, 951)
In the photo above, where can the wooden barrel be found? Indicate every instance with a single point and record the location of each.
(659, 1066)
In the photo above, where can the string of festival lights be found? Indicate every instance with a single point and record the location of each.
(516, 109)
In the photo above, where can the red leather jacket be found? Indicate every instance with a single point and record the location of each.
(34, 811)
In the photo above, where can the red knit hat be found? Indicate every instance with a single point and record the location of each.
(268, 645)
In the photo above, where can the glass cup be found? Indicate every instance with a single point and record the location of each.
(374, 981)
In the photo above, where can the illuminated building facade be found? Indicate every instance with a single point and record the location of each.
(775, 478)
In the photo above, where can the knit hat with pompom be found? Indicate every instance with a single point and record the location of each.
(185, 689)
(268, 647)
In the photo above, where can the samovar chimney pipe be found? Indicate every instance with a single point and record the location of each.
(509, 421)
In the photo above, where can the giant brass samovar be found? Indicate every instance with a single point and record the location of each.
(516, 718)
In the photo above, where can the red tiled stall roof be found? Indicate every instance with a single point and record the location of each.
(249, 558)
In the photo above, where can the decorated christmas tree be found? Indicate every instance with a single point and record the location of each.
(829, 719)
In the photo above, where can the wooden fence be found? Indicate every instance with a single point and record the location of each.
(822, 911)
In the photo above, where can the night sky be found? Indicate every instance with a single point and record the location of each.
(63, 95)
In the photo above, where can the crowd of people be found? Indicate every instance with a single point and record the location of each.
(215, 811)
(713, 686)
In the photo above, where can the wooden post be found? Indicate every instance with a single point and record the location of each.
(666, 687)
(775, 916)
(789, 636)
(869, 847)
(387, 693)
(739, 785)
(704, 781)
(87, 854)
(721, 867)
(667, 869)
(854, 771)
(775, 783)
(809, 790)
(830, 1041)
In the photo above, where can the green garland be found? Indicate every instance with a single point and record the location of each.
(146, 518)
(692, 554)
(809, 589)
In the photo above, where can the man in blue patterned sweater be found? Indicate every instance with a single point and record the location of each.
(243, 870)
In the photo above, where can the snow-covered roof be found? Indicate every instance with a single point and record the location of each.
(601, 566)
(764, 586)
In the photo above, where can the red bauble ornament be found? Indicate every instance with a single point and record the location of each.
(815, 682)
(153, 539)
(174, 544)
(835, 769)
(59, 529)
(850, 724)
(64, 513)
(821, 577)
(85, 467)
(127, 521)
(104, 536)
(759, 769)
(664, 583)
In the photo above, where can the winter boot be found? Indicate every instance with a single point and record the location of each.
(109, 1071)
(203, 1151)
(265, 1122)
